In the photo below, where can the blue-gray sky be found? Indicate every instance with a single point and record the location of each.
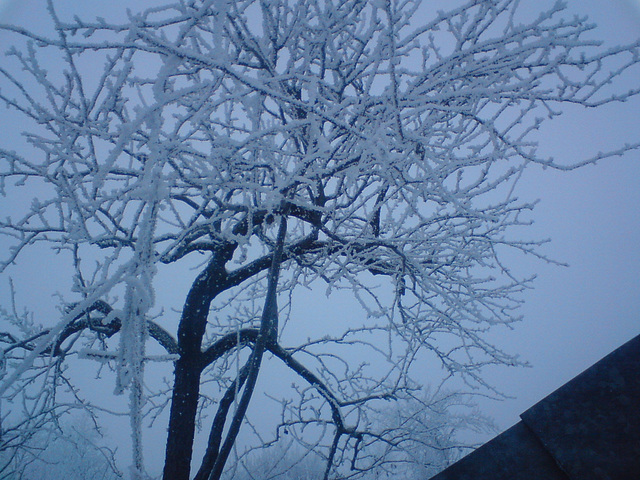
(575, 315)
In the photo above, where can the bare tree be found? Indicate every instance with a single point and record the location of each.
(67, 448)
(422, 438)
(289, 144)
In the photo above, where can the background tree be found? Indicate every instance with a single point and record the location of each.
(67, 448)
(424, 438)
(287, 145)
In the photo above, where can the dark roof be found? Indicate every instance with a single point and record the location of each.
(588, 429)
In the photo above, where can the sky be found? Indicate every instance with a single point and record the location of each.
(577, 314)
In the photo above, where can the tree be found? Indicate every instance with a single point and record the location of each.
(42, 435)
(423, 436)
(287, 145)
(68, 450)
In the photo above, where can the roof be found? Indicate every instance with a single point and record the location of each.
(588, 429)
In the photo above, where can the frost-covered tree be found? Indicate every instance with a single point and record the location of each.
(421, 440)
(65, 449)
(278, 147)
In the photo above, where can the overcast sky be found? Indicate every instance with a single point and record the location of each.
(575, 315)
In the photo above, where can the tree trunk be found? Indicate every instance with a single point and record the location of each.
(184, 405)
(186, 387)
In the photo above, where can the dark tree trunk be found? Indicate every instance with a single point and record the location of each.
(186, 388)
(184, 405)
